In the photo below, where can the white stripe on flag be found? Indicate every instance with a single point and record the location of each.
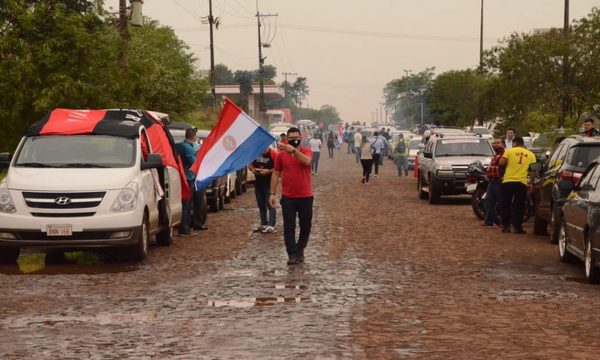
(241, 128)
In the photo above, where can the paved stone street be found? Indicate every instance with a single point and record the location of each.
(386, 276)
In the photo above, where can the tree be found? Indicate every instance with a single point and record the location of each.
(404, 94)
(223, 76)
(456, 97)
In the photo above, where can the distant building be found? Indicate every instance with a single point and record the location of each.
(272, 92)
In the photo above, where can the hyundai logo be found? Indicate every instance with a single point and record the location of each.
(63, 200)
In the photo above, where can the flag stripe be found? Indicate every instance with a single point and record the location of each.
(229, 115)
(254, 145)
(239, 131)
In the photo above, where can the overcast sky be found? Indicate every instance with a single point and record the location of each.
(349, 49)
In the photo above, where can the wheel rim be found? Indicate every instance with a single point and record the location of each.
(562, 241)
(588, 258)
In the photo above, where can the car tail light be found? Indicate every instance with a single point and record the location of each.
(572, 176)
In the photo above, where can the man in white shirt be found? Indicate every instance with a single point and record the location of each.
(315, 146)
(378, 146)
(510, 135)
(357, 144)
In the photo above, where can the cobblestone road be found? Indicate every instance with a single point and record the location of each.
(386, 276)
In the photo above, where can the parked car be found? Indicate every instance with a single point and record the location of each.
(413, 150)
(444, 164)
(566, 163)
(96, 185)
(216, 192)
(579, 222)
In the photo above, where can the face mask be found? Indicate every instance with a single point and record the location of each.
(294, 142)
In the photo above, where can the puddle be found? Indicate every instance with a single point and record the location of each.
(99, 319)
(73, 263)
(290, 286)
(258, 302)
(523, 294)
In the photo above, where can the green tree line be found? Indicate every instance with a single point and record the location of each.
(66, 53)
(524, 82)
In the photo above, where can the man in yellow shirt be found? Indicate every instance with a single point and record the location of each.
(514, 184)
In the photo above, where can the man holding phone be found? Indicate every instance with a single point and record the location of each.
(263, 169)
(293, 166)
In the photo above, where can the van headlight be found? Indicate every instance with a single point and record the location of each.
(127, 198)
(6, 202)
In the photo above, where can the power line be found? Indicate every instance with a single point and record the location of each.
(188, 11)
(384, 34)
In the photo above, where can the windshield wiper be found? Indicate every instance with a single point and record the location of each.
(36, 165)
(474, 155)
(82, 165)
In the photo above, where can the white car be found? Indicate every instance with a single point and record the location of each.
(93, 183)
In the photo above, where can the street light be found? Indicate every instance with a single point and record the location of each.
(406, 72)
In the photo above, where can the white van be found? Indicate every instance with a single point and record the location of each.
(82, 179)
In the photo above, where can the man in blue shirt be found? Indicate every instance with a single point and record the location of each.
(188, 157)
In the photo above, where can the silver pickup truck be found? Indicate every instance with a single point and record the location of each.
(444, 162)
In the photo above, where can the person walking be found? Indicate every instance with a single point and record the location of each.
(330, 143)
(516, 161)
(493, 195)
(315, 146)
(293, 167)
(400, 153)
(358, 140)
(366, 160)
(351, 140)
(377, 151)
(188, 157)
(263, 169)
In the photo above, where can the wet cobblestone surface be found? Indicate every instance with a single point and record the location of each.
(386, 276)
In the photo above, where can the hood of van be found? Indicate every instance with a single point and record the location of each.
(47, 179)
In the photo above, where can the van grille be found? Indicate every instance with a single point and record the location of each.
(56, 215)
(63, 200)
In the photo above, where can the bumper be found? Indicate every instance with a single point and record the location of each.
(450, 186)
(79, 240)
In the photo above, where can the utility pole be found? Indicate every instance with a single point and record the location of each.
(123, 32)
(261, 60)
(481, 40)
(211, 21)
(565, 99)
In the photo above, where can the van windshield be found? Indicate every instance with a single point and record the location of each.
(461, 147)
(77, 151)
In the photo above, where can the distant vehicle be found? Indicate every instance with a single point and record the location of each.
(444, 164)
(413, 151)
(309, 124)
(99, 185)
(482, 131)
(280, 116)
(578, 222)
(566, 164)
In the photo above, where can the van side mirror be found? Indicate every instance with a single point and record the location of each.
(154, 161)
(5, 159)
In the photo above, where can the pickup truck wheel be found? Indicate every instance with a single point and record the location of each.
(139, 251)
(165, 236)
(233, 193)
(434, 193)
(422, 194)
(9, 255)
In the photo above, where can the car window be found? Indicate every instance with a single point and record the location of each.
(554, 157)
(582, 156)
(589, 179)
(463, 147)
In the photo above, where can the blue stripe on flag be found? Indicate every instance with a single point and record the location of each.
(246, 152)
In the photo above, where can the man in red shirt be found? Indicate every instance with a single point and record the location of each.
(293, 166)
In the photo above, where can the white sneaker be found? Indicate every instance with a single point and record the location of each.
(269, 230)
(259, 228)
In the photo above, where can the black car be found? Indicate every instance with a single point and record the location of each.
(579, 222)
(566, 164)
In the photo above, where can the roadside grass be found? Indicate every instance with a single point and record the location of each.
(3, 174)
(31, 263)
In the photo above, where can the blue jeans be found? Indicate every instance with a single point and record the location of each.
(493, 196)
(262, 201)
(315, 161)
(186, 211)
(401, 162)
(357, 152)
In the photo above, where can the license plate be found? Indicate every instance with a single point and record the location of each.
(471, 188)
(59, 230)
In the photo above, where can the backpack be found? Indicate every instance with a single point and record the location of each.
(401, 147)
